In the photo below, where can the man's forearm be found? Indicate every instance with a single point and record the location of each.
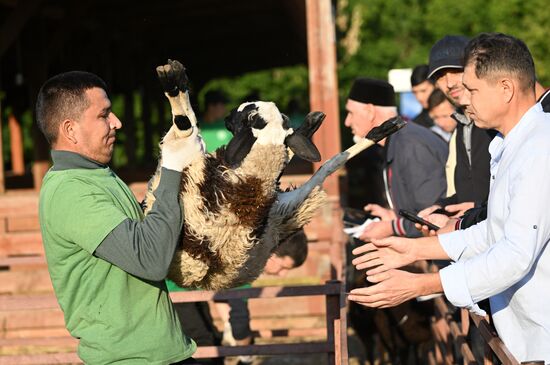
(429, 248)
(145, 249)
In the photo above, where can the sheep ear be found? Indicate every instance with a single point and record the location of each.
(312, 122)
(239, 146)
(303, 147)
(299, 142)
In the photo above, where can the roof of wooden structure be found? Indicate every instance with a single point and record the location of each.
(124, 40)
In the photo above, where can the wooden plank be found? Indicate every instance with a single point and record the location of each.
(25, 282)
(469, 358)
(494, 342)
(271, 349)
(21, 204)
(43, 359)
(22, 262)
(23, 224)
(21, 243)
(264, 292)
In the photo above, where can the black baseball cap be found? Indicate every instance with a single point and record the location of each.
(448, 52)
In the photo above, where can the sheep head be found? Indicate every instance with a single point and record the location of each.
(262, 123)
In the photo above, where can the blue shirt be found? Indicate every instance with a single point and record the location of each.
(505, 258)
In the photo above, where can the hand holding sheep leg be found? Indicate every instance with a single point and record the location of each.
(177, 152)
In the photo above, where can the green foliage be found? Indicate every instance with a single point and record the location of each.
(373, 37)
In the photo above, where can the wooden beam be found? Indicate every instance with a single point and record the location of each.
(2, 179)
(323, 83)
(16, 145)
(16, 22)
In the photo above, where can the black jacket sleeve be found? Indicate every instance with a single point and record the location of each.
(145, 249)
(474, 216)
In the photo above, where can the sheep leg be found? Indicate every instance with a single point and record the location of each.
(174, 81)
(288, 202)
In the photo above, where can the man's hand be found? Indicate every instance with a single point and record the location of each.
(385, 214)
(394, 287)
(458, 210)
(179, 152)
(439, 220)
(381, 229)
(427, 211)
(385, 254)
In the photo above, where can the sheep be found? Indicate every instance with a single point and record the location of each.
(235, 214)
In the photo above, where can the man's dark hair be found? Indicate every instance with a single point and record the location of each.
(436, 97)
(64, 97)
(419, 75)
(294, 247)
(495, 53)
(214, 97)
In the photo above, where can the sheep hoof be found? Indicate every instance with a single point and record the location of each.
(173, 78)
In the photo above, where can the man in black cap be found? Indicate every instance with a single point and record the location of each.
(472, 155)
(414, 166)
(422, 87)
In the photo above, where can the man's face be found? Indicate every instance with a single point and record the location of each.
(441, 115)
(481, 99)
(359, 118)
(277, 265)
(96, 128)
(422, 92)
(449, 81)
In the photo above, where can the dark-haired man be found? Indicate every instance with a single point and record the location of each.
(414, 171)
(106, 261)
(506, 257)
(422, 86)
(471, 176)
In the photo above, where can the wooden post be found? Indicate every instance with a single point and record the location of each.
(2, 180)
(16, 145)
(323, 83)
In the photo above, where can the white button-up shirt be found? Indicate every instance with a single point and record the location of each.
(505, 258)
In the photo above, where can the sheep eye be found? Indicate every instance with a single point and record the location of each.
(258, 122)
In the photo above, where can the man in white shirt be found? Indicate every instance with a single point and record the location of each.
(504, 258)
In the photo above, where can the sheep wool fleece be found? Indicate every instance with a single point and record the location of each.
(119, 318)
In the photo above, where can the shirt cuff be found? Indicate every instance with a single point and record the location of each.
(398, 227)
(453, 280)
(453, 244)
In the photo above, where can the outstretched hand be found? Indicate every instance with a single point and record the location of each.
(384, 254)
(392, 288)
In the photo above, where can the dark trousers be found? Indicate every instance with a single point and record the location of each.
(197, 323)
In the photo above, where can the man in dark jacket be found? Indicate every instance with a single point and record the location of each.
(414, 172)
(472, 155)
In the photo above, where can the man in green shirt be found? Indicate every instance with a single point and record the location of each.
(106, 261)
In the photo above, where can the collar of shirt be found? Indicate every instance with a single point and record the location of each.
(461, 118)
(499, 143)
(65, 160)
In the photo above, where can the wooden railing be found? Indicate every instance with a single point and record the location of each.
(452, 346)
(334, 346)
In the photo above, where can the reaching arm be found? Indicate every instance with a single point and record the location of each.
(524, 236)
(145, 249)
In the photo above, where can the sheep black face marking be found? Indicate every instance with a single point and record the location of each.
(182, 122)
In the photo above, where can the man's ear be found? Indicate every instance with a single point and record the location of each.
(508, 89)
(67, 131)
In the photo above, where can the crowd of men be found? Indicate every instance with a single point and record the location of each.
(486, 187)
